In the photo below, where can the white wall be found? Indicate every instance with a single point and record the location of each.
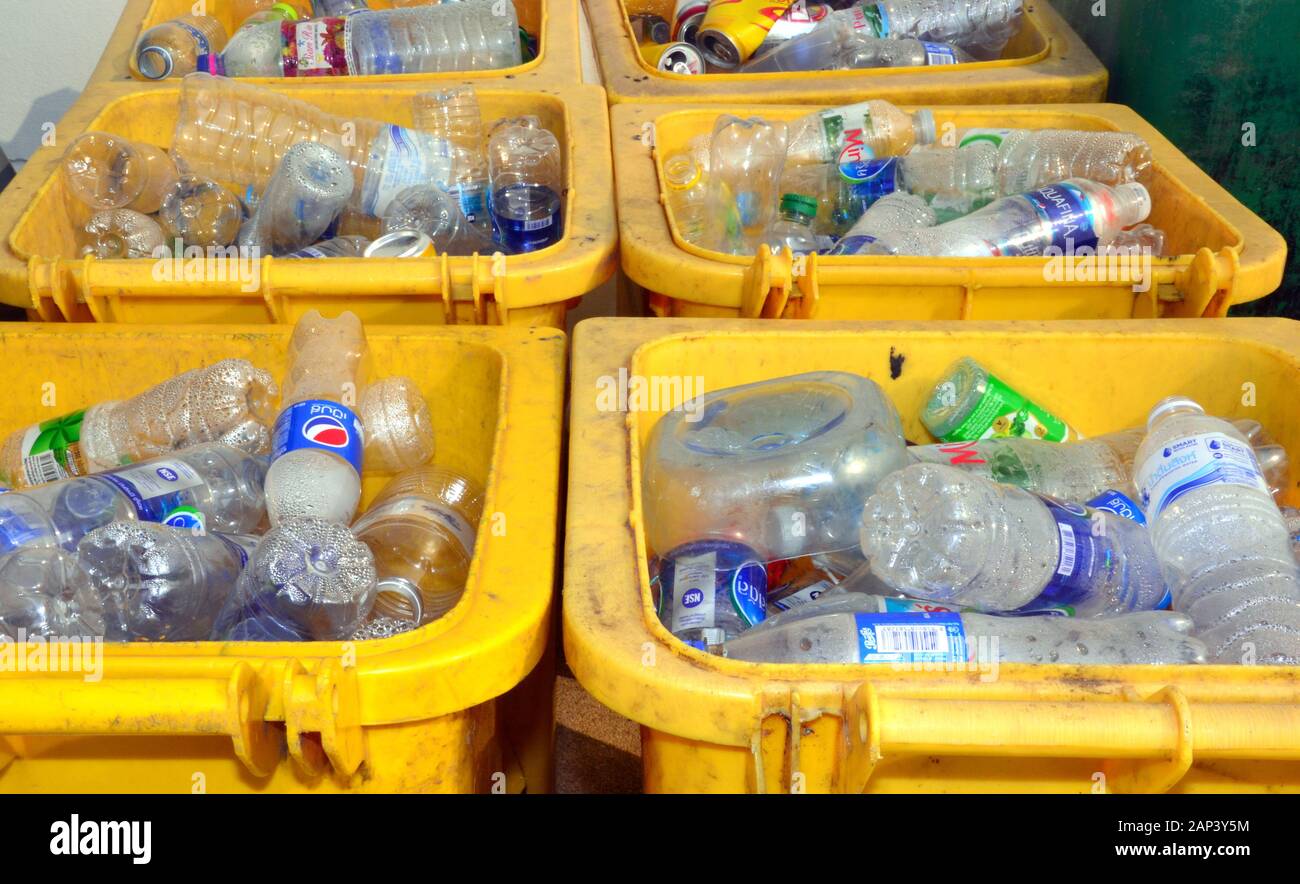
(47, 50)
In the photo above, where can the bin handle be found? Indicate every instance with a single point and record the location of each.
(766, 286)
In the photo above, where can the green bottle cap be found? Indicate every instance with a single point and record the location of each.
(800, 204)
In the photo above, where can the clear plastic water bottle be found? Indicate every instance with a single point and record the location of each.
(939, 533)
(302, 200)
(178, 47)
(1222, 543)
(237, 133)
(471, 35)
(793, 227)
(105, 172)
(688, 196)
(399, 426)
(246, 13)
(335, 247)
(781, 466)
(1069, 216)
(844, 41)
(318, 441)
(854, 134)
(710, 590)
(227, 402)
(858, 628)
(1032, 158)
(421, 531)
(969, 402)
(895, 211)
(200, 212)
(308, 580)
(746, 158)
(160, 583)
(452, 116)
(207, 487)
(527, 180)
(43, 593)
(1142, 237)
(953, 182)
(437, 214)
(121, 233)
(337, 7)
(981, 27)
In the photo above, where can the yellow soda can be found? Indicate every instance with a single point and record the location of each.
(733, 29)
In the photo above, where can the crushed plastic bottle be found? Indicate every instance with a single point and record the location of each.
(399, 426)
(895, 211)
(969, 402)
(981, 27)
(304, 197)
(438, 215)
(453, 116)
(122, 233)
(200, 212)
(1033, 158)
(470, 35)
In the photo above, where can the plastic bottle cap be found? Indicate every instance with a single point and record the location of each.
(289, 13)
(800, 204)
(1133, 203)
(924, 127)
(1172, 403)
(154, 62)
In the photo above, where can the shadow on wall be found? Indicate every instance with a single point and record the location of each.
(38, 129)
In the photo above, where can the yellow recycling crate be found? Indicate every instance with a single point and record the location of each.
(552, 23)
(1045, 63)
(450, 707)
(39, 269)
(710, 724)
(1220, 252)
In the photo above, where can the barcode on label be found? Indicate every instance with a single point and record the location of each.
(42, 468)
(939, 58)
(540, 223)
(1068, 549)
(910, 638)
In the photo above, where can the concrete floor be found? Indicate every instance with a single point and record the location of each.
(596, 751)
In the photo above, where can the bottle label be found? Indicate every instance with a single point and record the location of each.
(1068, 213)
(1195, 462)
(910, 638)
(314, 48)
(871, 179)
(799, 597)
(319, 423)
(204, 58)
(186, 518)
(902, 605)
(242, 545)
(938, 53)
(847, 131)
(52, 450)
(462, 530)
(528, 235)
(992, 136)
(1120, 504)
(1002, 413)
(1081, 557)
(877, 18)
(308, 252)
(695, 592)
(401, 158)
(155, 489)
(15, 531)
(852, 245)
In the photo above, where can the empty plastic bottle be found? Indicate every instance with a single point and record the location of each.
(858, 628)
(1080, 470)
(844, 41)
(781, 466)
(793, 227)
(1067, 218)
(110, 172)
(746, 158)
(43, 593)
(304, 197)
(969, 402)
(527, 181)
(853, 134)
(160, 583)
(895, 211)
(1033, 158)
(337, 7)
(237, 134)
(438, 215)
(228, 402)
(180, 46)
(399, 427)
(688, 197)
(248, 12)
(953, 182)
(1222, 543)
(208, 487)
(1143, 236)
(471, 35)
(710, 590)
(939, 533)
(421, 530)
(200, 212)
(981, 27)
(336, 247)
(308, 580)
(318, 441)
(121, 233)
(452, 116)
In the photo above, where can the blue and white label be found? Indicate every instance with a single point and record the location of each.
(852, 245)
(1120, 504)
(319, 423)
(910, 638)
(693, 590)
(156, 489)
(242, 545)
(1068, 213)
(186, 518)
(1187, 464)
(15, 531)
(939, 53)
(872, 178)
(1079, 555)
(749, 593)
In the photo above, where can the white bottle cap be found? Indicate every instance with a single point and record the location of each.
(1172, 403)
(923, 126)
(1132, 204)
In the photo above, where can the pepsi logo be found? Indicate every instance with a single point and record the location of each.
(327, 431)
(691, 598)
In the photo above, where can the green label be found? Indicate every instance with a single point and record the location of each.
(993, 136)
(51, 450)
(874, 20)
(1003, 413)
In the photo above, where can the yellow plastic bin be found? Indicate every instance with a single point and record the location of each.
(1222, 253)
(552, 23)
(39, 269)
(1045, 63)
(710, 724)
(460, 705)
